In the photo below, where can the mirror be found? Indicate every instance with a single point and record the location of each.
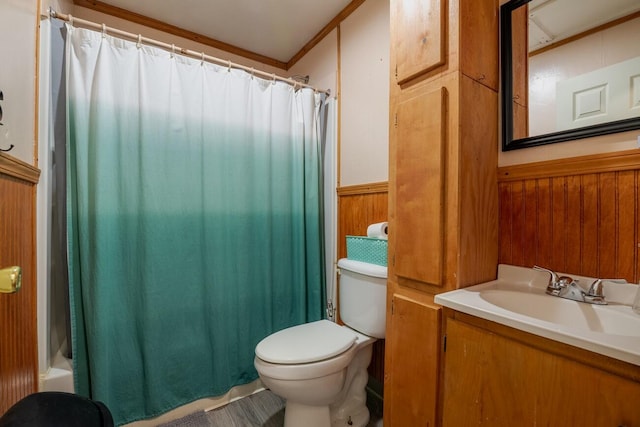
(570, 69)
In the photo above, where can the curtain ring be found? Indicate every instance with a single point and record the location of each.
(274, 78)
(202, 58)
(173, 50)
(139, 44)
(229, 69)
(70, 20)
(252, 70)
(104, 30)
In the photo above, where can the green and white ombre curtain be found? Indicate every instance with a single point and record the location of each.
(194, 221)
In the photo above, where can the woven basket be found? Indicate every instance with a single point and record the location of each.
(367, 249)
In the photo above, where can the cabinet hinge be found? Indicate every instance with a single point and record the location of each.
(444, 343)
(395, 120)
(392, 307)
(396, 72)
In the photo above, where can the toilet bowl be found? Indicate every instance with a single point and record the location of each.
(320, 368)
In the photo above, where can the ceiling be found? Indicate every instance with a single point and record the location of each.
(276, 29)
(553, 20)
(276, 32)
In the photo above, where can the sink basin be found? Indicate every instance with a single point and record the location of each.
(571, 314)
(517, 299)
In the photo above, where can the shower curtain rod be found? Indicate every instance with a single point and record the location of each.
(175, 49)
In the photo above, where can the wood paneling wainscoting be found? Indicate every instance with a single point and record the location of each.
(359, 206)
(579, 215)
(18, 327)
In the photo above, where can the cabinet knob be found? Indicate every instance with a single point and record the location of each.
(10, 280)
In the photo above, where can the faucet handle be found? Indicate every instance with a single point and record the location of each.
(618, 281)
(596, 289)
(595, 294)
(554, 276)
(556, 282)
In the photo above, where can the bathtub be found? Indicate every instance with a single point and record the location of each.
(59, 377)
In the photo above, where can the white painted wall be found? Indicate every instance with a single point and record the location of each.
(364, 64)
(18, 20)
(364, 85)
(320, 64)
(62, 6)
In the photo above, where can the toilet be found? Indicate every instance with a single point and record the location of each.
(320, 368)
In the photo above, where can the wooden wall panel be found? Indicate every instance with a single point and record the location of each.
(18, 328)
(544, 210)
(518, 219)
(627, 197)
(585, 221)
(505, 226)
(558, 222)
(359, 206)
(530, 232)
(607, 225)
(573, 232)
(590, 225)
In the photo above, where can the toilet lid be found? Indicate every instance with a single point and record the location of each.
(306, 343)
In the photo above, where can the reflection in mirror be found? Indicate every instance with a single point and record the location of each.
(570, 70)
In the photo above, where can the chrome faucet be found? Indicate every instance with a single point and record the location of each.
(567, 287)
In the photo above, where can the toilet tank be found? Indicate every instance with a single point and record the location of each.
(363, 296)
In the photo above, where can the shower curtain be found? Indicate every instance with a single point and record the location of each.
(194, 221)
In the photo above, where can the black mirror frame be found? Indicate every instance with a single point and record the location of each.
(506, 68)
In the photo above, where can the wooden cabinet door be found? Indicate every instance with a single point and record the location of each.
(420, 144)
(418, 37)
(18, 328)
(411, 386)
(483, 385)
(491, 380)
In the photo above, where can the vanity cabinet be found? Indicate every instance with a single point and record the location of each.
(443, 200)
(411, 394)
(502, 376)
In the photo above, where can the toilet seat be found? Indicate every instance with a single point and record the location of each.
(307, 343)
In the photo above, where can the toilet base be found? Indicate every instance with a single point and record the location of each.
(350, 406)
(297, 414)
(350, 409)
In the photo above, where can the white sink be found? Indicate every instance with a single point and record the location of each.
(579, 316)
(518, 299)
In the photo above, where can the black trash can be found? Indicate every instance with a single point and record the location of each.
(52, 408)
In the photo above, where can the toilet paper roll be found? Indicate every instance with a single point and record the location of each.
(378, 230)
